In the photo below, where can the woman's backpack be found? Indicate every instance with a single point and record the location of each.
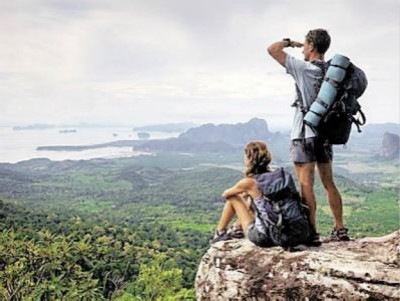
(281, 212)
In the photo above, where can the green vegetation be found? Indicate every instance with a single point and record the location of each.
(157, 281)
(136, 228)
(73, 258)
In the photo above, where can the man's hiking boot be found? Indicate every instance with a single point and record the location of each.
(222, 235)
(340, 235)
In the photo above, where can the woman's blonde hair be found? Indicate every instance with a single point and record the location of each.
(258, 158)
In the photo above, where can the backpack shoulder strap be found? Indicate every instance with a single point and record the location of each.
(322, 65)
(299, 99)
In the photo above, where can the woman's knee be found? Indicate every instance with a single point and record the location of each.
(235, 198)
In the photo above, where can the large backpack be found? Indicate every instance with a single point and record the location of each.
(281, 213)
(333, 112)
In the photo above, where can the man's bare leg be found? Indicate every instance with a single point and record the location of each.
(333, 194)
(305, 174)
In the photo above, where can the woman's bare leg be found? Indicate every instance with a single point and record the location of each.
(236, 205)
(248, 202)
(227, 214)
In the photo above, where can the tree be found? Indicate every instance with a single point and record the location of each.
(157, 282)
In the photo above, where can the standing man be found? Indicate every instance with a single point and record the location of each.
(307, 150)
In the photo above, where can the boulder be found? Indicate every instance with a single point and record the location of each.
(364, 269)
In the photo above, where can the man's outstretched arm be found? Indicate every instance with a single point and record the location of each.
(276, 50)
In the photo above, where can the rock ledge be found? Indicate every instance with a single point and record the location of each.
(365, 269)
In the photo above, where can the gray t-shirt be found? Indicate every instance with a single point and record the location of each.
(308, 78)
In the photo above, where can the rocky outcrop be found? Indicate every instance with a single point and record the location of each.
(365, 269)
(390, 146)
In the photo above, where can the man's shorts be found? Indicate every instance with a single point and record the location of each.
(310, 150)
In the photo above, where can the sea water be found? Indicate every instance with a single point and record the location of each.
(20, 145)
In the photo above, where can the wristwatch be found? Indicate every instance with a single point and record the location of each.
(288, 42)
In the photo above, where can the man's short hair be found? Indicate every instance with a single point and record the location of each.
(320, 39)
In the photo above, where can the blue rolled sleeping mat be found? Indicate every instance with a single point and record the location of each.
(334, 76)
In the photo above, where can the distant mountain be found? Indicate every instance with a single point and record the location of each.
(390, 146)
(370, 138)
(206, 138)
(279, 145)
(233, 134)
(185, 146)
(213, 138)
(378, 130)
(169, 127)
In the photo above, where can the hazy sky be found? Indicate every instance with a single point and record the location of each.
(145, 62)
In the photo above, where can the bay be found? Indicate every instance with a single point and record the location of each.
(20, 145)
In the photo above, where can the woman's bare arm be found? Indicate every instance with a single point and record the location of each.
(245, 185)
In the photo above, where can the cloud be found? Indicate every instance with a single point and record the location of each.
(151, 61)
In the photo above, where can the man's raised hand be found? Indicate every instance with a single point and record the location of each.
(296, 44)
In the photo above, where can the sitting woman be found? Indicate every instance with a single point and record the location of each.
(278, 218)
